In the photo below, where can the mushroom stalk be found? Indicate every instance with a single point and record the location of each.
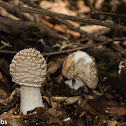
(76, 85)
(30, 98)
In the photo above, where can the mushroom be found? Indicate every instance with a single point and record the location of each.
(28, 69)
(80, 69)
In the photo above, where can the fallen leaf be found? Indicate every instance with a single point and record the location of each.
(103, 122)
(54, 120)
(66, 100)
(58, 6)
(99, 30)
(54, 65)
(108, 106)
(54, 112)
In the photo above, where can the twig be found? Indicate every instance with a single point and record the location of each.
(91, 7)
(103, 13)
(69, 25)
(109, 24)
(8, 52)
(31, 4)
(106, 13)
(69, 50)
(77, 29)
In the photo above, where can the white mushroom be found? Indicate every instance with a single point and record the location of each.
(28, 69)
(82, 68)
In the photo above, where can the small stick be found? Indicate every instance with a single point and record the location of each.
(69, 50)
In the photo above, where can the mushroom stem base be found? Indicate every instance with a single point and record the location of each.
(77, 84)
(30, 98)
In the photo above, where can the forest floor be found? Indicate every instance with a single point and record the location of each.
(93, 26)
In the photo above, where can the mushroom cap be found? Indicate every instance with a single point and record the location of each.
(28, 68)
(81, 65)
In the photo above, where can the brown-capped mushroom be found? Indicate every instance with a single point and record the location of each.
(28, 69)
(81, 67)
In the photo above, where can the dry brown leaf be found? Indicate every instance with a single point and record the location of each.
(98, 30)
(54, 65)
(113, 123)
(47, 99)
(8, 100)
(105, 105)
(98, 4)
(103, 122)
(82, 7)
(66, 100)
(16, 122)
(66, 30)
(58, 6)
(54, 104)
(12, 120)
(55, 112)
(52, 112)
(117, 110)
(56, 121)
(89, 97)
(5, 13)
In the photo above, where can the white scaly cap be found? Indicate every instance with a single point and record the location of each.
(28, 68)
(82, 67)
